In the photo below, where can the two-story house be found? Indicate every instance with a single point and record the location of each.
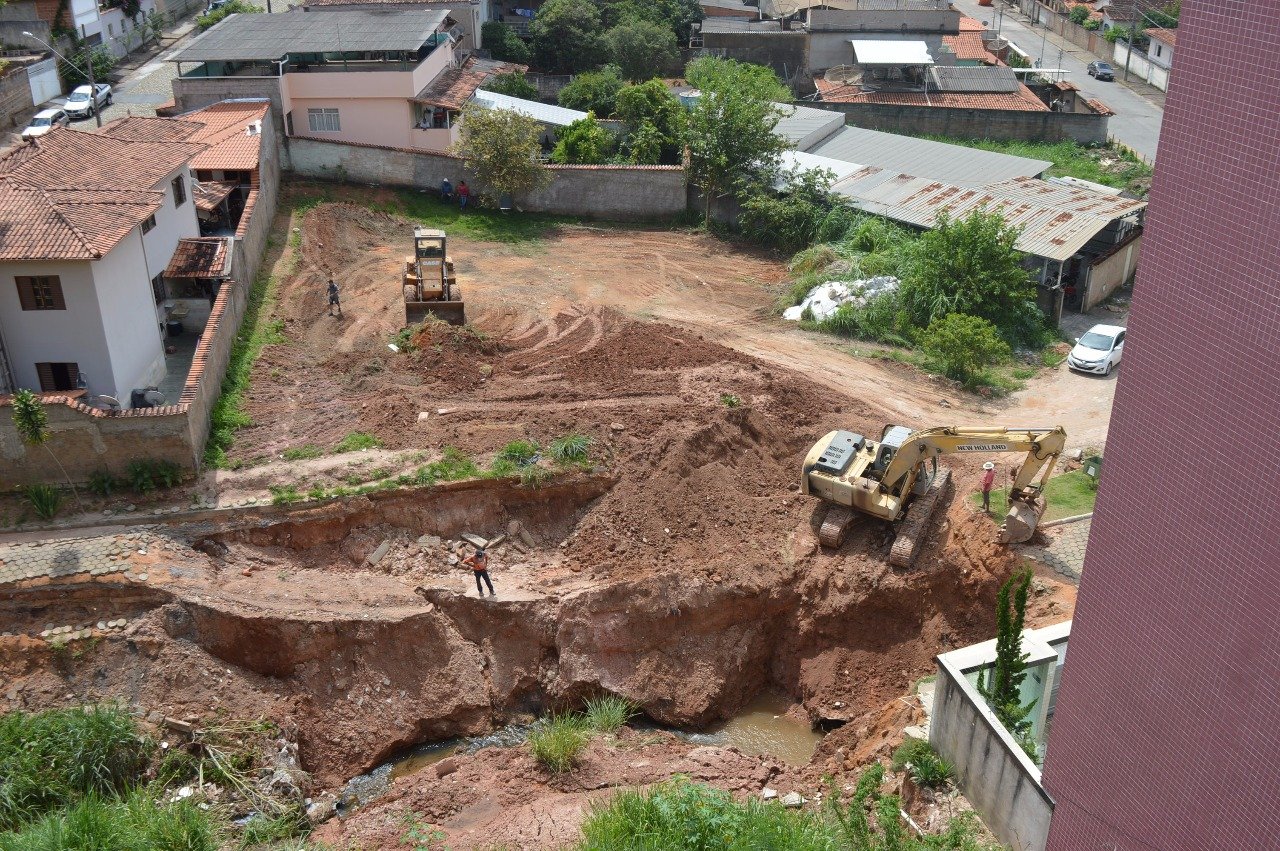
(88, 224)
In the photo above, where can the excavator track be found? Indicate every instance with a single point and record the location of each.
(835, 526)
(918, 520)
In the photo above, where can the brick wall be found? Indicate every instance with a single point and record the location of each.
(15, 97)
(1164, 734)
(260, 209)
(204, 382)
(975, 123)
(626, 193)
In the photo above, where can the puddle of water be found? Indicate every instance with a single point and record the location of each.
(763, 727)
(420, 757)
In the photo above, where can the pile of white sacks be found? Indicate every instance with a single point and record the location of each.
(823, 299)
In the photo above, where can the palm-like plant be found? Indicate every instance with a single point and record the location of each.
(32, 424)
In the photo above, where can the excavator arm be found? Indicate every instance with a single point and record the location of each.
(1042, 445)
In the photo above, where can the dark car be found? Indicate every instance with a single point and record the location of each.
(1101, 71)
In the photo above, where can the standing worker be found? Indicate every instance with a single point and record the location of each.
(479, 564)
(988, 479)
(446, 190)
(333, 298)
(464, 195)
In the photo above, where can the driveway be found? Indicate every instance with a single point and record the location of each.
(1137, 119)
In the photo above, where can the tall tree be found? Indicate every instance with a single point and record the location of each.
(653, 104)
(711, 72)
(501, 148)
(32, 424)
(593, 91)
(502, 43)
(566, 36)
(642, 49)
(584, 142)
(1003, 692)
(732, 146)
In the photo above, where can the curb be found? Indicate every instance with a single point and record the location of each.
(1075, 518)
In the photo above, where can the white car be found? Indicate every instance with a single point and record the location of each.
(85, 101)
(44, 121)
(1099, 350)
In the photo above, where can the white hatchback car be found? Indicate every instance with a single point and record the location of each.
(1099, 350)
(44, 121)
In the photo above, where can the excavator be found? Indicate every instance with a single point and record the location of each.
(898, 478)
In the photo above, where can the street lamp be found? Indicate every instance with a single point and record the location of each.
(93, 89)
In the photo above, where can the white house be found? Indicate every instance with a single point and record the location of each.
(108, 24)
(89, 224)
(1163, 41)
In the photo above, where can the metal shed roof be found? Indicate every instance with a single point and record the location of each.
(887, 52)
(544, 112)
(924, 158)
(248, 37)
(1056, 221)
(799, 162)
(986, 78)
(803, 126)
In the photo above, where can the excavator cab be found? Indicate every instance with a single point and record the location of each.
(429, 285)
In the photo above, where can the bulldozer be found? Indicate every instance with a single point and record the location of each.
(429, 285)
(898, 478)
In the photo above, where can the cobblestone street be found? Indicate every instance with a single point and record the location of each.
(56, 559)
(1066, 548)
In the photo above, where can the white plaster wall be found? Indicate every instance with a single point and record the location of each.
(74, 335)
(128, 310)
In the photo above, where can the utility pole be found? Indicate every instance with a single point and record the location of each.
(87, 71)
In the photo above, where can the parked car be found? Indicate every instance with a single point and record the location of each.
(1101, 71)
(215, 5)
(85, 101)
(1099, 350)
(44, 121)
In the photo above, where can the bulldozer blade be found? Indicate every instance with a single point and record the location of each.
(453, 312)
(919, 519)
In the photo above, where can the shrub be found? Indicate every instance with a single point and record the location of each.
(357, 441)
(593, 91)
(558, 741)
(1079, 14)
(1092, 24)
(609, 714)
(927, 768)
(514, 84)
(798, 216)
(101, 483)
(571, 449)
(147, 474)
(51, 759)
(961, 345)
(215, 17)
(584, 142)
(45, 500)
(502, 43)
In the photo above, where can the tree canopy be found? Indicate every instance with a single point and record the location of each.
(501, 148)
(566, 36)
(514, 84)
(653, 104)
(584, 142)
(642, 49)
(593, 91)
(502, 43)
(714, 73)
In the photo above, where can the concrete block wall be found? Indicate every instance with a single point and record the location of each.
(195, 92)
(15, 96)
(991, 769)
(1085, 128)
(204, 382)
(625, 193)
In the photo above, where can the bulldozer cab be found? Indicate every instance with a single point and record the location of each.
(430, 288)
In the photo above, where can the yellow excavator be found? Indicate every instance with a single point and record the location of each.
(898, 478)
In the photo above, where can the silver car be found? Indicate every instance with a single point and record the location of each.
(85, 101)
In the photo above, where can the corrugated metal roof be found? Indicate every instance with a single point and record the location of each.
(924, 158)
(867, 51)
(804, 126)
(959, 78)
(798, 161)
(1056, 221)
(248, 37)
(544, 112)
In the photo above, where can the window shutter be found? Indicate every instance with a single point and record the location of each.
(26, 295)
(45, 373)
(55, 287)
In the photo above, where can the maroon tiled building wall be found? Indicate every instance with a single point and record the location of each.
(1167, 730)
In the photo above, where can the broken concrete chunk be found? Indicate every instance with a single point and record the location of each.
(474, 540)
(527, 539)
(769, 793)
(792, 800)
(378, 554)
(446, 766)
(423, 416)
(498, 541)
(514, 527)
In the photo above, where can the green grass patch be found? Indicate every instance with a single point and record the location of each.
(525, 229)
(926, 767)
(52, 759)
(302, 453)
(573, 448)
(357, 441)
(1067, 495)
(136, 822)
(609, 714)
(519, 452)
(453, 466)
(558, 741)
(1105, 164)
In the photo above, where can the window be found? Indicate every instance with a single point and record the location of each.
(1120, 339)
(148, 223)
(40, 292)
(1157, 50)
(157, 288)
(58, 376)
(323, 120)
(179, 191)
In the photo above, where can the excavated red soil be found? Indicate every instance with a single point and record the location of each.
(683, 572)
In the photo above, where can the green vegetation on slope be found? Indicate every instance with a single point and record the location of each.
(1106, 164)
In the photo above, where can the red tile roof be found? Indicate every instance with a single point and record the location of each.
(1169, 37)
(969, 46)
(208, 194)
(1024, 100)
(221, 126)
(69, 195)
(141, 129)
(199, 257)
(453, 87)
(970, 25)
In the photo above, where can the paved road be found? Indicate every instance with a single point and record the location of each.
(1137, 119)
(1065, 550)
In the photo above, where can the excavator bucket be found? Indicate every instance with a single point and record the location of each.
(1021, 521)
(452, 312)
